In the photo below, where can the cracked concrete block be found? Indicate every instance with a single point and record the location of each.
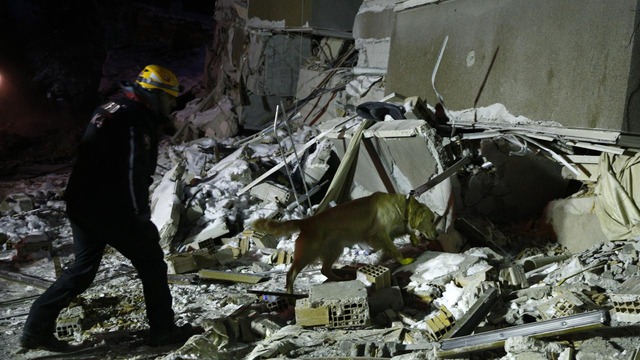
(346, 301)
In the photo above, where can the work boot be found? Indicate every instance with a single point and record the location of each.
(48, 343)
(177, 335)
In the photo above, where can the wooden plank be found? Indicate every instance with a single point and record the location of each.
(277, 293)
(229, 276)
(25, 279)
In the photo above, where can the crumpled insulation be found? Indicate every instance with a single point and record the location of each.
(618, 196)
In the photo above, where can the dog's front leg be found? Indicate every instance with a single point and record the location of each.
(390, 248)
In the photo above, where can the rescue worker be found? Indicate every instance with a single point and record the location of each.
(107, 200)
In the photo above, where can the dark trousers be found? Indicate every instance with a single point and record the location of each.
(139, 242)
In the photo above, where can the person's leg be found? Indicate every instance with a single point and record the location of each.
(141, 245)
(75, 279)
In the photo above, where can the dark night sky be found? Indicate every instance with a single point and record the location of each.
(54, 53)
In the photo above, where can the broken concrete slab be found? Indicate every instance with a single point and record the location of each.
(166, 205)
(575, 223)
(479, 29)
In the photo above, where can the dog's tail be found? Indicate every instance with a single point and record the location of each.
(276, 228)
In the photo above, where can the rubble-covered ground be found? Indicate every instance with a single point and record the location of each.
(410, 317)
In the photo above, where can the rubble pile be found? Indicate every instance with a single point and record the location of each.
(540, 298)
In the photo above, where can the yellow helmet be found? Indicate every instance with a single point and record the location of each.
(158, 77)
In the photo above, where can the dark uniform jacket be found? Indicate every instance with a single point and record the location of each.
(115, 162)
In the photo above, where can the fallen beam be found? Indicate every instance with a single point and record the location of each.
(441, 177)
(495, 339)
(476, 314)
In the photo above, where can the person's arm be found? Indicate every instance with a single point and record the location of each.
(138, 171)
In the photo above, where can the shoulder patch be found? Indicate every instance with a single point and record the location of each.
(111, 107)
(97, 120)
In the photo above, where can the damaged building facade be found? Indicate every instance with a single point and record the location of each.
(513, 121)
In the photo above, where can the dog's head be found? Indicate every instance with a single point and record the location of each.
(422, 219)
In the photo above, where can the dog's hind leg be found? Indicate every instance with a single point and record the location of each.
(328, 258)
(302, 257)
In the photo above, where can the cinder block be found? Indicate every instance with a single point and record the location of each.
(376, 276)
(281, 257)
(440, 324)
(565, 303)
(275, 303)
(67, 328)
(191, 261)
(69, 323)
(346, 300)
(261, 239)
(306, 315)
(208, 244)
(626, 301)
(33, 243)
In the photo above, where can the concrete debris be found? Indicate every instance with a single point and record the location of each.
(521, 347)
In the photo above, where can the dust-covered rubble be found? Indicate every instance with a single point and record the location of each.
(407, 318)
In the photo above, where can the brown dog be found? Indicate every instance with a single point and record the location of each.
(376, 220)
